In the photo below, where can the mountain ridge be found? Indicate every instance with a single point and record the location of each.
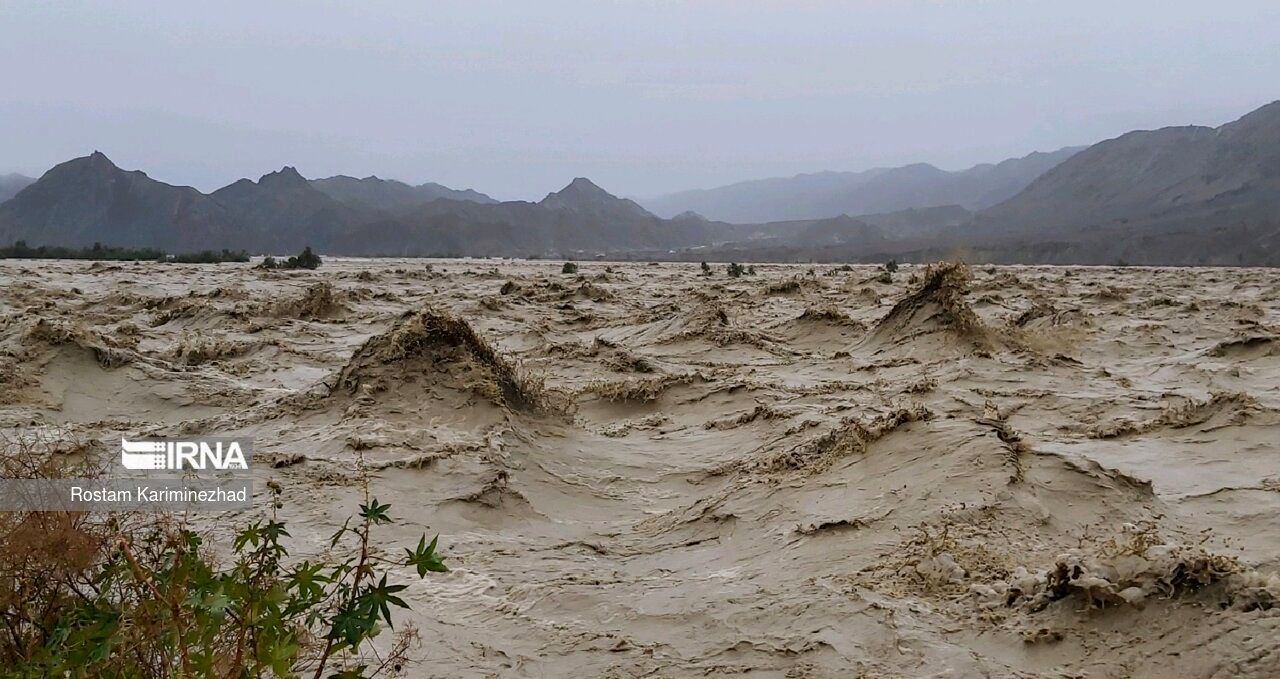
(878, 190)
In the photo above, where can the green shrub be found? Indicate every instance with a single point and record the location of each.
(735, 270)
(305, 260)
(891, 266)
(569, 267)
(133, 595)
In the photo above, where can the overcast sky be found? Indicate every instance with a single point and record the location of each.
(516, 98)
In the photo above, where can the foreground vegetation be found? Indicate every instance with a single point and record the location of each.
(139, 596)
(99, 252)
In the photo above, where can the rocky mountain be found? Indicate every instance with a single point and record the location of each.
(881, 190)
(89, 199)
(581, 219)
(1179, 194)
(389, 194)
(11, 184)
(283, 212)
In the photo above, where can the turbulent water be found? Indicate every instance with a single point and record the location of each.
(641, 470)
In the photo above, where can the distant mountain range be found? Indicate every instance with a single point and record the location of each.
(11, 184)
(90, 200)
(824, 194)
(1180, 195)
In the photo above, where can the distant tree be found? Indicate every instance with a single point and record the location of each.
(569, 267)
(735, 270)
(307, 260)
(706, 269)
(891, 266)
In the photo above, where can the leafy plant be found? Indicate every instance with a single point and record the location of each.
(735, 270)
(569, 267)
(130, 596)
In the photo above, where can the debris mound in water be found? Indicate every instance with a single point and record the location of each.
(107, 352)
(1229, 407)
(828, 313)
(852, 437)
(432, 340)
(1127, 571)
(319, 301)
(937, 305)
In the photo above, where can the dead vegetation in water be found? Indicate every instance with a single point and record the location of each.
(318, 301)
(1015, 447)
(936, 303)
(198, 348)
(620, 358)
(1135, 566)
(107, 352)
(851, 437)
(829, 313)
(442, 343)
(1237, 407)
(762, 412)
(639, 389)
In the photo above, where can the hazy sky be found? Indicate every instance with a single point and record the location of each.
(516, 98)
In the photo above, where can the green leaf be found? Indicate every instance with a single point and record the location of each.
(374, 512)
(424, 558)
(377, 597)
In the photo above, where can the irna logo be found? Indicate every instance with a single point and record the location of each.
(179, 454)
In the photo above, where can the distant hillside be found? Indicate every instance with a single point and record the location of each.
(581, 219)
(389, 194)
(1181, 195)
(827, 194)
(89, 199)
(1178, 194)
(11, 184)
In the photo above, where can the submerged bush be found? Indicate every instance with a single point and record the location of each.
(304, 260)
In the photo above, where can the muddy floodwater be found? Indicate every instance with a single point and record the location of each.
(646, 471)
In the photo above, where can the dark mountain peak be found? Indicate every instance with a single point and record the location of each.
(581, 188)
(286, 177)
(96, 161)
(582, 195)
